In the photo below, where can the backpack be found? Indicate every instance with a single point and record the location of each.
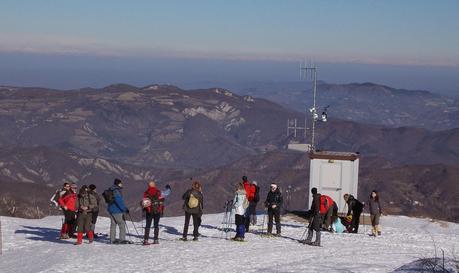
(109, 196)
(156, 203)
(250, 192)
(193, 202)
(325, 203)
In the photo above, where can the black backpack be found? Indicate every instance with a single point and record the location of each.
(109, 196)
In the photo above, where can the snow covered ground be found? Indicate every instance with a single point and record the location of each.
(31, 246)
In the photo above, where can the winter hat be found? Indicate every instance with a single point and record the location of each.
(244, 178)
(92, 187)
(273, 185)
(117, 181)
(314, 190)
(255, 183)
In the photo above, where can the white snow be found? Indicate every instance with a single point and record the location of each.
(31, 246)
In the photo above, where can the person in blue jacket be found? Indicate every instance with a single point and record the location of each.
(116, 209)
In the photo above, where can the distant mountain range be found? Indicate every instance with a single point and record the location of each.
(364, 103)
(165, 133)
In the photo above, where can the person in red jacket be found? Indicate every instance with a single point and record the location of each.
(68, 204)
(250, 192)
(153, 206)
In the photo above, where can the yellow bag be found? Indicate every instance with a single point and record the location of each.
(193, 202)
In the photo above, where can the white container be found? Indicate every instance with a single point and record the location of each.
(334, 174)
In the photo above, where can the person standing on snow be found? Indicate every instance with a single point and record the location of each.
(375, 213)
(95, 211)
(315, 220)
(274, 203)
(85, 204)
(240, 205)
(153, 204)
(250, 192)
(355, 208)
(193, 206)
(68, 204)
(55, 201)
(116, 209)
(253, 206)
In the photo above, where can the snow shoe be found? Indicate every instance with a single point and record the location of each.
(314, 243)
(238, 239)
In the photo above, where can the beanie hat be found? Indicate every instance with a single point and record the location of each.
(244, 178)
(117, 181)
(314, 190)
(255, 183)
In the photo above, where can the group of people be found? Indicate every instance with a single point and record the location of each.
(81, 211)
(80, 208)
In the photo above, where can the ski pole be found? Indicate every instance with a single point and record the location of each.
(135, 228)
(223, 223)
(264, 220)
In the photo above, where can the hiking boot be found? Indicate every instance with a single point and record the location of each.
(146, 243)
(316, 243)
(379, 233)
(125, 242)
(238, 239)
(64, 237)
(195, 238)
(183, 239)
(77, 243)
(155, 241)
(278, 234)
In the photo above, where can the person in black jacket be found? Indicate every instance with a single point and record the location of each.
(274, 203)
(252, 209)
(355, 208)
(315, 220)
(193, 206)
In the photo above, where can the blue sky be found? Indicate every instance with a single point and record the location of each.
(389, 32)
(413, 33)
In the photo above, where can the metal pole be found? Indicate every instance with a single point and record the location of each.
(1, 236)
(313, 146)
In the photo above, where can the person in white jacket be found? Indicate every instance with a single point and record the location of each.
(240, 205)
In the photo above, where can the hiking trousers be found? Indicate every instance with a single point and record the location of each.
(274, 213)
(196, 224)
(152, 217)
(117, 219)
(84, 222)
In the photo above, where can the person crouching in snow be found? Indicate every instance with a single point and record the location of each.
(375, 212)
(153, 205)
(85, 203)
(273, 203)
(240, 205)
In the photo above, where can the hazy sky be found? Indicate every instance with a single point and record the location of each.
(403, 33)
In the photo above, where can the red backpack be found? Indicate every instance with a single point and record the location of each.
(250, 191)
(325, 203)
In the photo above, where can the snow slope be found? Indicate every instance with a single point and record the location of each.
(31, 246)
